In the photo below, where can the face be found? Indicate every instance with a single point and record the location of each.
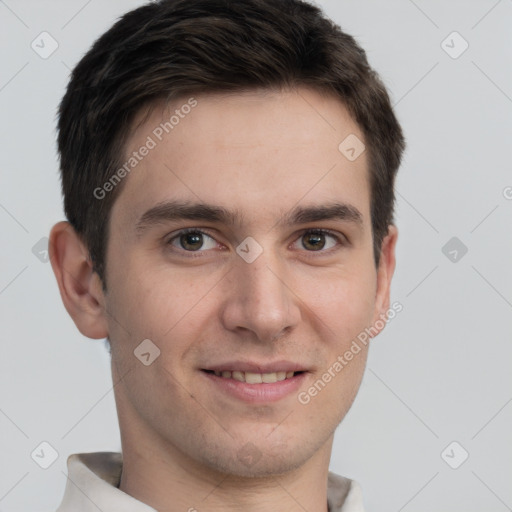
(241, 246)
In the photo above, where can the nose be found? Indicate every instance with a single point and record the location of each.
(259, 299)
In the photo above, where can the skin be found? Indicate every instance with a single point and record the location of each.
(262, 153)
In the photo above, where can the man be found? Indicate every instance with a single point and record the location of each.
(228, 172)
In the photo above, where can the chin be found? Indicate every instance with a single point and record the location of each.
(259, 459)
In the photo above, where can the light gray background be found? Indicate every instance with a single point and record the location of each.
(439, 373)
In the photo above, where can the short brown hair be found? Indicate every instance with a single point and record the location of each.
(171, 48)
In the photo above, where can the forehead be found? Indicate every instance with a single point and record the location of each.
(255, 151)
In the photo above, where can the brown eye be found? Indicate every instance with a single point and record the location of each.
(313, 241)
(192, 240)
(319, 240)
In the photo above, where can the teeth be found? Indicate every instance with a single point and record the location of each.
(255, 378)
(238, 376)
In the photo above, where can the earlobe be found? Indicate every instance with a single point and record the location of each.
(80, 287)
(385, 274)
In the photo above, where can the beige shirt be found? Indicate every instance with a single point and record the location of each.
(93, 479)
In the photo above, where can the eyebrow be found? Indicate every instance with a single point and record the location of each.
(183, 210)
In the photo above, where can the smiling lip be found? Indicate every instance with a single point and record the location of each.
(256, 393)
(261, 392)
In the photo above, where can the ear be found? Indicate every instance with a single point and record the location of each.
(80, 287)
(384, 275)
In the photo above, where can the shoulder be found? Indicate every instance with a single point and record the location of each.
(344, 494)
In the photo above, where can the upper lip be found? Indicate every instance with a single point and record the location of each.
(251, 367)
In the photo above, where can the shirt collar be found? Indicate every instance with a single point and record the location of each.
(93, 480)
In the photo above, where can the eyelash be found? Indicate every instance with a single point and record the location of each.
(313, 231)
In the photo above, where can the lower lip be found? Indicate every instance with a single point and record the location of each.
(257, 393)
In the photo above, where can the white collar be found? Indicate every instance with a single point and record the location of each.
(93, 479)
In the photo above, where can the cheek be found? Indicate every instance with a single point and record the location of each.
(346, 308)
(343, 300)
(169, 309)
(149, 307)
(151, 299)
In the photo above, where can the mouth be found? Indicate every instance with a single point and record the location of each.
(254, 387)
(254, 378)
